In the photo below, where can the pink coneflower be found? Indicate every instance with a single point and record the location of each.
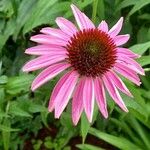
(92, 58)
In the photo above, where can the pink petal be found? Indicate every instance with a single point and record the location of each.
(112, 90)
(48, 74)
(46, 50)
(65, 92)
(127, 72)
(66, 26)
(88, 97)
(127, 52)
(121, 39)
(116, 28)
(132, 64)
(118, 83)
(56, 33)
(47, 39)
(103, 26)
(41, 62)
(82, 20)
(100, 97)
(54, 92)
(77, 103)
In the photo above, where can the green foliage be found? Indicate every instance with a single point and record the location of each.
(24, 114)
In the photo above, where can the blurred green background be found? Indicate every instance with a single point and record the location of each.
(26, 124)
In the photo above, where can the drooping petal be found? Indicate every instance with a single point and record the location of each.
(48, 74)
(66, 26)
(121, 39)
(116, 28)
(132, 64)
(65, 92)
(103, 26)
(46, 50)
(100, 97)
(47, 39)
(82, 20)
(118, 83)
(88, 97)
(113, 92)
(77, 103)
(127, 52)
(41, 62)
(127, 72)
(56, 33)
(55, 92)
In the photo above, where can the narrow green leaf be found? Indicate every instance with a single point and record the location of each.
(119, 142)
(34, 108)
(41, 14)
(88, 147)
(139, 130)
(85, 126)
(125, 3)
(139, 4)
(126, 128)
(19, 83)
(16, 110)
(6, 134)
(3, 79)
(144, 60)
(7, 128)
(140, 48)
(24, 13)
(145, 16)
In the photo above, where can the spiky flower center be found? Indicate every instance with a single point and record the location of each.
(91, 52)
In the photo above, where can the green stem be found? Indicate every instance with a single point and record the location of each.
(95, 3)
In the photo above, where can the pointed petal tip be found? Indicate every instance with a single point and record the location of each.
(130, 94)
(73, 6)
(126, 109)
(50, 109)
(75, 122)
(33, 88)
(27, 51)
(25, 69)
(121, 19)
(105, 115)
(57, 114)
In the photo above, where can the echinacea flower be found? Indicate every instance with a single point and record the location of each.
(92, 58)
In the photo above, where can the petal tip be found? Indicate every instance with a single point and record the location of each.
(25, 69)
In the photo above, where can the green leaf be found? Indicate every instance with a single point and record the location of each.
(6, 134)
(24, 13)
(7, 128)
(119, 142)
(19, 83)
(144, 60)
(8, 31)
(101, 10)
(85, 126)
(145, 16)
(125, 3)
(126, 128)
(139, 4)
(34, 108)
(2, 95)
(88, 147)
(41, 14)
(3, 79)
(16, 110)
(139, 130)
(66, 120)
(140, 48)
(142, 35)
